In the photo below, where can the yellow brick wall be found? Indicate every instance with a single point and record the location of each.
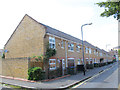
(27, 40)
(14, 68)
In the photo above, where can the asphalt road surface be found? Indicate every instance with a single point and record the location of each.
(107, 79)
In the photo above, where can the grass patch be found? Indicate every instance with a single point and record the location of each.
(12, 86)
(16, 87)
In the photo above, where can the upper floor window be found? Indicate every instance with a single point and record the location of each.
(100, 54)
(70, 46)
(77, 48)
(62, 44)
(52, 42)
(86, 49)
(90, 51)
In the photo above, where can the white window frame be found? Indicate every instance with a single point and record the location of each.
(52, 63)
(90, 51)
(79, 61)
(100, 54)
(70, 46)
(52, 41)
(78, 48)
(86, 49)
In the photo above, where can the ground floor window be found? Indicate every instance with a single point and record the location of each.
(52, 63)
(95, 60)
(79, 61)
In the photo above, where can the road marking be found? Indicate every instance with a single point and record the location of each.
(84, 82)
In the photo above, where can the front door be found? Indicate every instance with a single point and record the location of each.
(61, 67)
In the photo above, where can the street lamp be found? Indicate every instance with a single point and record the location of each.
(83, 46)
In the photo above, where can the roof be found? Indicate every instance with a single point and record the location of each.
(62, 34)
(57, 33)
(118, 47)
(88, 44)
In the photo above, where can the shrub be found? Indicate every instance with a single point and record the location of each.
(36, 73)
(3, 56)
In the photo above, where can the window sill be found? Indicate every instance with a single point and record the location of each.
(71, 50)
(51, 69)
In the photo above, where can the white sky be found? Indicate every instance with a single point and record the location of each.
(64, 15)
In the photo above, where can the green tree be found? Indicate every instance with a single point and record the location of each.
(119, 52)
(112, 7)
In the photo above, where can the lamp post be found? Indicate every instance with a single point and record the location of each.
(83, 45)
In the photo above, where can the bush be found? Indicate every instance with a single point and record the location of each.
(36, 73)
(3, 56)
(89, 66)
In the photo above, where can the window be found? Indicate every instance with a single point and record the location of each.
(89, 50)
(52, 42)
(70, 46)
(62, 44)
(77, 48)
(79, 62)
(86, 49)
(100, 54)
(52, 63)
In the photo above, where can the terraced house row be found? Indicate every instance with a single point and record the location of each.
(30, 38)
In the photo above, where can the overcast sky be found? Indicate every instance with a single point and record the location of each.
(64, 15)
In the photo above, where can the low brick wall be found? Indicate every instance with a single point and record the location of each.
(34, 63)
(14, 67)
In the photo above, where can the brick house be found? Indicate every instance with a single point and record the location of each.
(30, 38)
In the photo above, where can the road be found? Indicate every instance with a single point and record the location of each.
(107, 79)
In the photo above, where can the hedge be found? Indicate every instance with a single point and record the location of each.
(36, 73)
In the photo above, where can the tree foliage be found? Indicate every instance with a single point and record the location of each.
(111, 8)
(119, 52)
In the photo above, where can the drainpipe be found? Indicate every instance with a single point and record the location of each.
(66, 53)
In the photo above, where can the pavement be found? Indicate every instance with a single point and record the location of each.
(59, 83)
